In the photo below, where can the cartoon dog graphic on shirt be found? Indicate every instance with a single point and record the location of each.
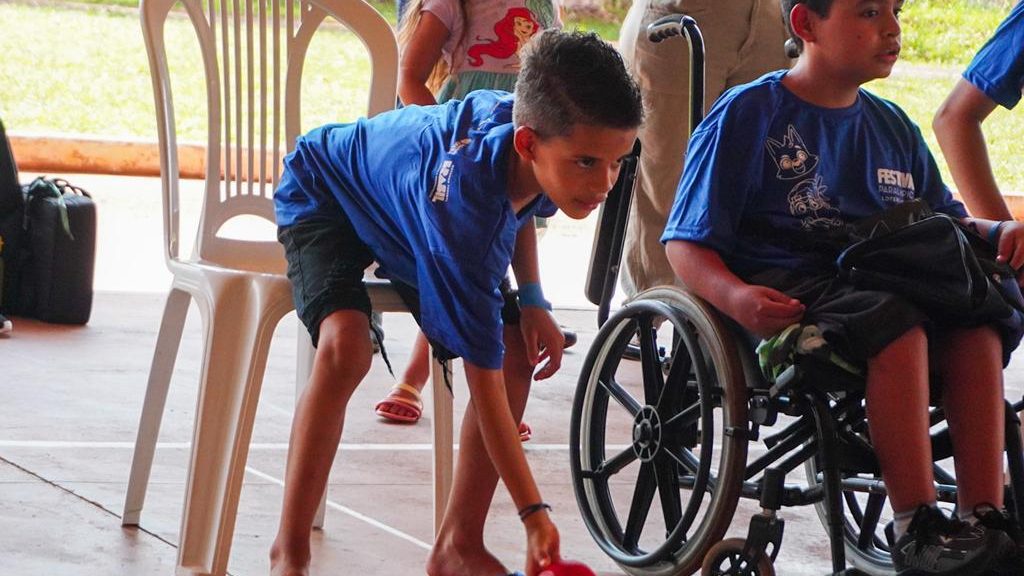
(791, 156)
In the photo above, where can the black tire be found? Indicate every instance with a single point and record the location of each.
(727, 559)
(675, 440)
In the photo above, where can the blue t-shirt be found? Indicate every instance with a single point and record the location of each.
(425, 187)
(766, 173)
(998, 68)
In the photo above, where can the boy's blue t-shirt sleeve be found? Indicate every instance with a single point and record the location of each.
(998, 68)
(719, 171)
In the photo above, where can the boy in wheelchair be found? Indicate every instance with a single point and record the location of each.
(795, 156)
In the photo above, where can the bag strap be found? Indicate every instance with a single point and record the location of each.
(43, 187)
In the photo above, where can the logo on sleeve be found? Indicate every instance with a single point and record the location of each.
(442, 182)
(895, 187)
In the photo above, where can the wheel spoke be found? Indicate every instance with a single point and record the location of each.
(650, 361)
(685, 418)
(621, 395)
(678, 373)
(869, 523)
(615, 464)
(683, 457)
(643, 496)
(668, 490)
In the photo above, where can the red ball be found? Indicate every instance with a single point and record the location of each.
(567, 568)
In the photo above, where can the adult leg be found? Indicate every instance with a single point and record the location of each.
(342, 360)
(897, 408)
(662, 71)
(971, 366)
(459, 549)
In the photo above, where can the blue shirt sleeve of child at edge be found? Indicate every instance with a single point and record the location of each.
(998, 68)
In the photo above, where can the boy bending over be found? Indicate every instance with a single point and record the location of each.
(443, 198)
(794, 155)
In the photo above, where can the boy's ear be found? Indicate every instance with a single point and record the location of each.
(803, 23)
(525, 141)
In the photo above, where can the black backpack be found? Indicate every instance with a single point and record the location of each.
(12, 217)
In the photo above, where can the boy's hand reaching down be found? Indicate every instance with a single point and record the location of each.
(763, 310)
(543, 339)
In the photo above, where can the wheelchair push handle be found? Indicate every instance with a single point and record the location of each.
(682, 25)
(668, 26)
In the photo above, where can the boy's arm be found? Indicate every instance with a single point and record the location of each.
(762, 310)
(541, 334)
(498, 431)
(957, 126)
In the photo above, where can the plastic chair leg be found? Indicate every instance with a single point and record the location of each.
(164, 356)
(303, 369)
(238, 333)
(443, 440)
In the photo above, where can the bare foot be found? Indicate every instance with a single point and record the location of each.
(447, 561)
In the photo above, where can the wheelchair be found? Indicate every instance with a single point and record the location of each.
(661, 431)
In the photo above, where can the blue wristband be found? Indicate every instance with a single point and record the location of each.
(993, 232)
(530, 294)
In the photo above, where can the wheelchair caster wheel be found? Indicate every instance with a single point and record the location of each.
(726, 558)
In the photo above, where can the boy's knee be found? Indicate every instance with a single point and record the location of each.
(344, 351)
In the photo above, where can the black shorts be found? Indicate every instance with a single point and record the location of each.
(860, 323)
(326, 264)
(857, 323)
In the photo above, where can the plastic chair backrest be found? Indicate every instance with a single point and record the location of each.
(253, 55)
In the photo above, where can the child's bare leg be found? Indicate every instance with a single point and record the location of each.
(897, 406)
(971, 365)
(342, 360)
(459, 549)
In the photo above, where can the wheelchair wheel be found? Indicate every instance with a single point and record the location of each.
(727, 559)
(663, 435)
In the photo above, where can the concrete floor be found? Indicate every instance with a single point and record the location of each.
(70, 399)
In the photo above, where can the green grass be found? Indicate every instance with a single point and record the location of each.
(98, 84)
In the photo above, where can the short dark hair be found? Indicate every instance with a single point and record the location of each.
(570, 78)
(795, 44)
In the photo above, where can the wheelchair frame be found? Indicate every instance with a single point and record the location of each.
(704, 369)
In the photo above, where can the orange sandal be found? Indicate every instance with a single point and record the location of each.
(393, 399)
(524, 432)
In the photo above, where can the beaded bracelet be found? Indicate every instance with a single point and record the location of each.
(530, 294)
(532, 509)
(993, 232)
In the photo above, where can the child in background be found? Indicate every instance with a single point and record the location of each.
(994, 78)
(449, 49)
(796, 155)
(442, 198)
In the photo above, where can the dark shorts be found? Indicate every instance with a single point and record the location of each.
(860, 323)
(857, 323)
(326, 264)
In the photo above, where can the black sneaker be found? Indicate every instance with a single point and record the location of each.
(998, 520)
(935, 545)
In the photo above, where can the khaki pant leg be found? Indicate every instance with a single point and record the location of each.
(764, 49)
(662, 71)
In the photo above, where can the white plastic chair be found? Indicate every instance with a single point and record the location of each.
(253, 55)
